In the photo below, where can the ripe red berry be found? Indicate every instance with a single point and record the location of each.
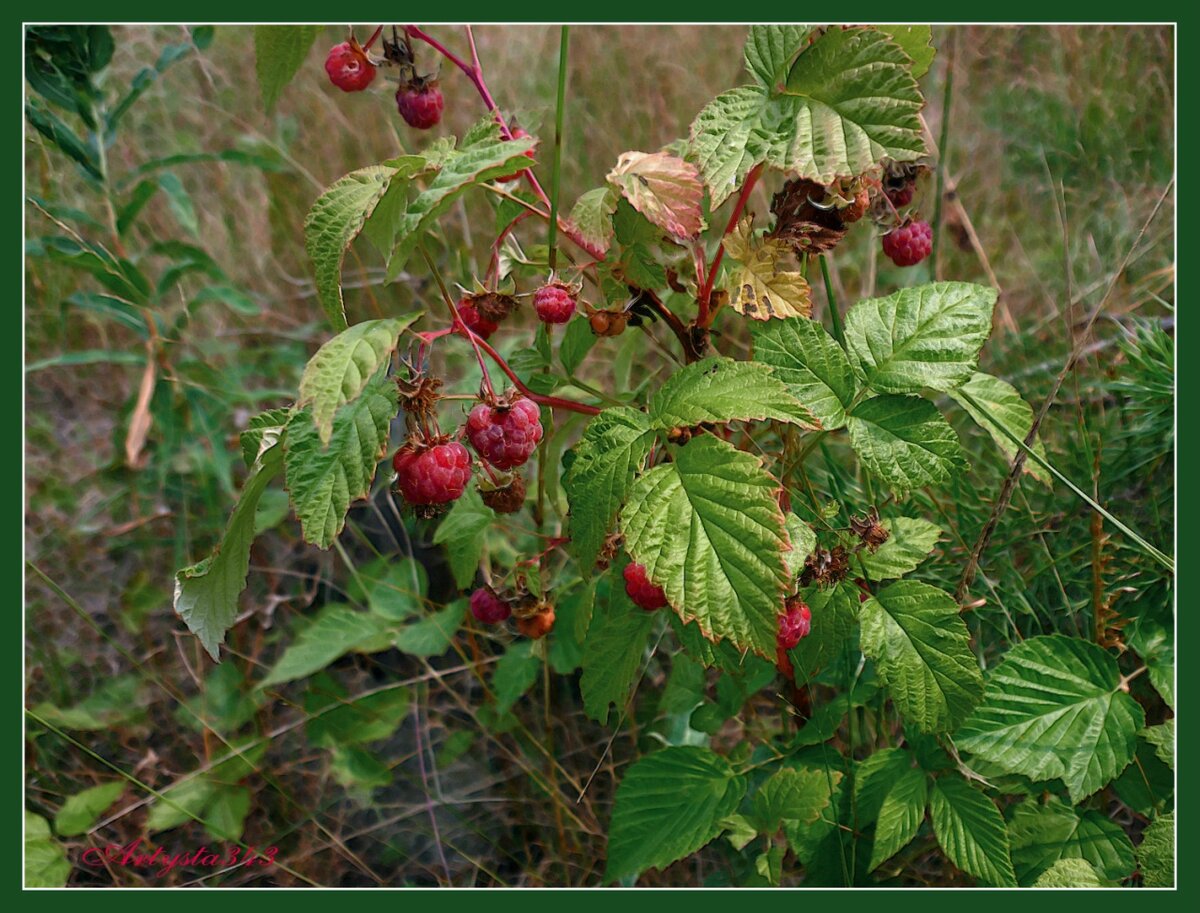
(432, 475)
(643, 593)
(554, 303)
(517, 134)
(901, 196)
(476, 322)
(505, 435)
(348, 67)
(909, 244)
(794, 623)
(488, 607)
(420, 104)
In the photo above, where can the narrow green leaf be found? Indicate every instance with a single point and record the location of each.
(279, 52)
(708, 528)
(335, 631)
(669, 805)
(1054, 709)
(613, 650)
(927, 337)
(922, 650)
(515, 674)
(463, 531)
(971, 831)
(343, 366)
(366, 719)
(206, 594)
(900, 816)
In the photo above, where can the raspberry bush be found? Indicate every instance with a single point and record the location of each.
(773, 483)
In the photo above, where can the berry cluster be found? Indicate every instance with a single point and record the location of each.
(535, 617)
(418, 98)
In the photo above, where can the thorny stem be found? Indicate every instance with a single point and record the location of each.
(704, 315)
(474, 72)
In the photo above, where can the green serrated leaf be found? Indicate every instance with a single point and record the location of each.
(791, 794)
(81, 810)
(811, 364)
(332, 223)
(351, 721)
(926, 337)
(614, 445)
(613, 650)
(592, 217)
(770, 50)
(915, 42)
(971, 831)
(910, 541)
(46, 864)
(900, 815)
(719, 390)
(334, 632)
(834, 625)
(577, 341)
(921, 648)
(1162, 737)
(433, 634)
(344, 365)
(279, 52)
(1003, 405)
(1072, 873)
(669, 804)
(206, 594)
(515, 674)
(1156, 853)
(1054, 709)
(463, 531)
(904, 441)
(323, 481)
(1040, 835)
(803, 540)
(709, 531)
(727, 140)
(664, 188)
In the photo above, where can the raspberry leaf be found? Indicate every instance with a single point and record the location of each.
(613, 650)
(803, 540)
(760, 288)
(914, 40)
(432, 634)
(611, 452)
(1002, 407)
(336, 631)
(718, 389)
(921, 648)
(463, 531)
(791, 794)
(206, 594)
(909, 543)
(409, 211)
(812, 365)
(900, 815)
(708, 529)
(770, 50)
(333, 222)
(592, 216)
(1041, 835)
(515, 674)
(1054, 708)
(81, 810)
(971, 831)
(669, 805)
(905, 441)
(662, 187)
(279, 52)
(343, 366)
(926, 337)
(1156, 853)
(728, 139)
(851, 101)
(1076, 873)
(835, 622)
(323, 480)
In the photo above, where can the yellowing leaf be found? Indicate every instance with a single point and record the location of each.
(662, 187)
(760, 289)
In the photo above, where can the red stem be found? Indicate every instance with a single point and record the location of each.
(475, 74)
(374, 37)
(554, 402)
(704, 316)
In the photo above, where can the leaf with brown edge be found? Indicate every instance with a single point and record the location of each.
(662, 187)
(759, 288)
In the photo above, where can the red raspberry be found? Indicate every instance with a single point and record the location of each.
(420, 104)
(488, 607)
(643, 593)
(909, 244)
(432, 475)
(348, 67)
(517, 134)
(554, 303)
(505, 435)
(794, 623)
(901, 196)
(476, 322)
